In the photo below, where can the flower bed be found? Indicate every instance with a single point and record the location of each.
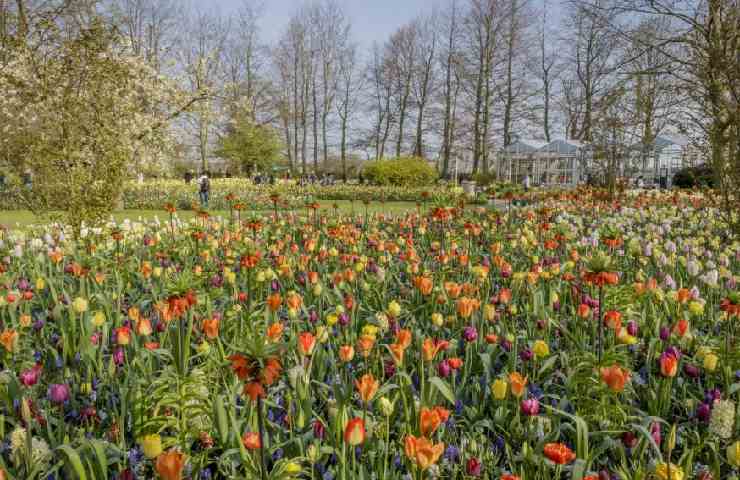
(589, 339)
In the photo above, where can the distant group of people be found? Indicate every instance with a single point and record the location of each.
(312, 179)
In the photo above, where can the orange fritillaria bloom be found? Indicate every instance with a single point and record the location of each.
(615, 377)
(559, 453)
(170, 464)
(253, 390)
(241, 366)
(271, 371)
(367, 386)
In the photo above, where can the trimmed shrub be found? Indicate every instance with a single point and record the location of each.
(401, 171)
(690, 177)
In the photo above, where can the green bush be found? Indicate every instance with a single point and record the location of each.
(690, 177)
(401, 171)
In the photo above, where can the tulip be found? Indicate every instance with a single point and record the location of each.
(615, 377)
(530, 407)
(210, 327)
(354, 432)
(306, 343)
(733, 454)
(170, 464)
(29, 377)
(58, 393)
(710, 362)
(664, 471)
(80, 305)
(429, 421)
(9, 339)
(251, 441)
(540, 349)
(151, 445)
(422, 451)
(668, 365)
(499, 388)
(518, 384)
(367, 386)
(385, 406)
(470, 334)
(559, 453)
(473, 467)
(123, 335)
(443, 369)
(346, 353)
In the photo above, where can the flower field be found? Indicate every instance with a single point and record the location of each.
(579, 338)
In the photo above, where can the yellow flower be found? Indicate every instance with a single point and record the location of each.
(733, 454)
(40, 283)
(370, 330)
(437, 319)
(394, 309)
(151, 445)
(702, 352)
(80, 305)
(499, 388)
(696, 308)
(292, 468)
(98, 319)
(331, 319)
(710, 362)
(386, 406)
(661, 471)
(540, 349)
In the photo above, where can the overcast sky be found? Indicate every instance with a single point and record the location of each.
(371, 19)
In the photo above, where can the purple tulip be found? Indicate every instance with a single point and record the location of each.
(530, 407)
(118, 356)
(470, 334)
(675, 351)
(703, 412)
(344, 319)
(629, 439)
(691, 371)
(526, 355)
(632, 328)
(319, 430)
(58, 393)
(444, 369)
(665, 333)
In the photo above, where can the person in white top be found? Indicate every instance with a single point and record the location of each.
(526, 183)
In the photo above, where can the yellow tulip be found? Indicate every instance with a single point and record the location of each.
(151, 445)
(733, 454)
(540, 349)
(710, 362)
(499, 388)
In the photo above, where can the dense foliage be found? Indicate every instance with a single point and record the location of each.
(249, 146)
(701, 176)
(79, 111)
(401, 172)
(579, 339)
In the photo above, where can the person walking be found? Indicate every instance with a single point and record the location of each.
(526, 183)
(204, 188)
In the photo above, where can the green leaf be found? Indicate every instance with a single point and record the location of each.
(74, 461)
(443, 388)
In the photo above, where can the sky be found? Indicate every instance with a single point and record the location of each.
(372, 20)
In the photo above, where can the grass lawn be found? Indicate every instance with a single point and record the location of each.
(24, 218)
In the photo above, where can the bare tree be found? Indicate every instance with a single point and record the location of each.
(450, 61)
(423, 81)
(401, 51)
(350, 84)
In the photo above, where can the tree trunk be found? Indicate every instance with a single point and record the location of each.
(402, 114)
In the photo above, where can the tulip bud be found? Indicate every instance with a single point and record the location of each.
(386, 406)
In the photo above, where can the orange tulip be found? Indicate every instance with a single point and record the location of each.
(509, 476)
(294, 301)
(306, 343)
(422, 451)
(403, 338)
(8, 339)
(466, 306)
(367, 386)
(251, 441)
(559, 453)
(613, 320)
(681, 327)
(365, 345)
(424, 285)
(453, 289)
(346, 353)
(210, 327)
(354, 433)
(430, 348)
(518, 384)
(683, 295)
(615, 377)
(455, 363)
(504, 295)
(275, 331)
(397, 352)
(584, 310)
(274, 301)
(123, 335)
(169, 465)
(668, 365)
(429, 421)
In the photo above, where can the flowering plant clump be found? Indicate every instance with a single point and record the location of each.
(589, 339)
